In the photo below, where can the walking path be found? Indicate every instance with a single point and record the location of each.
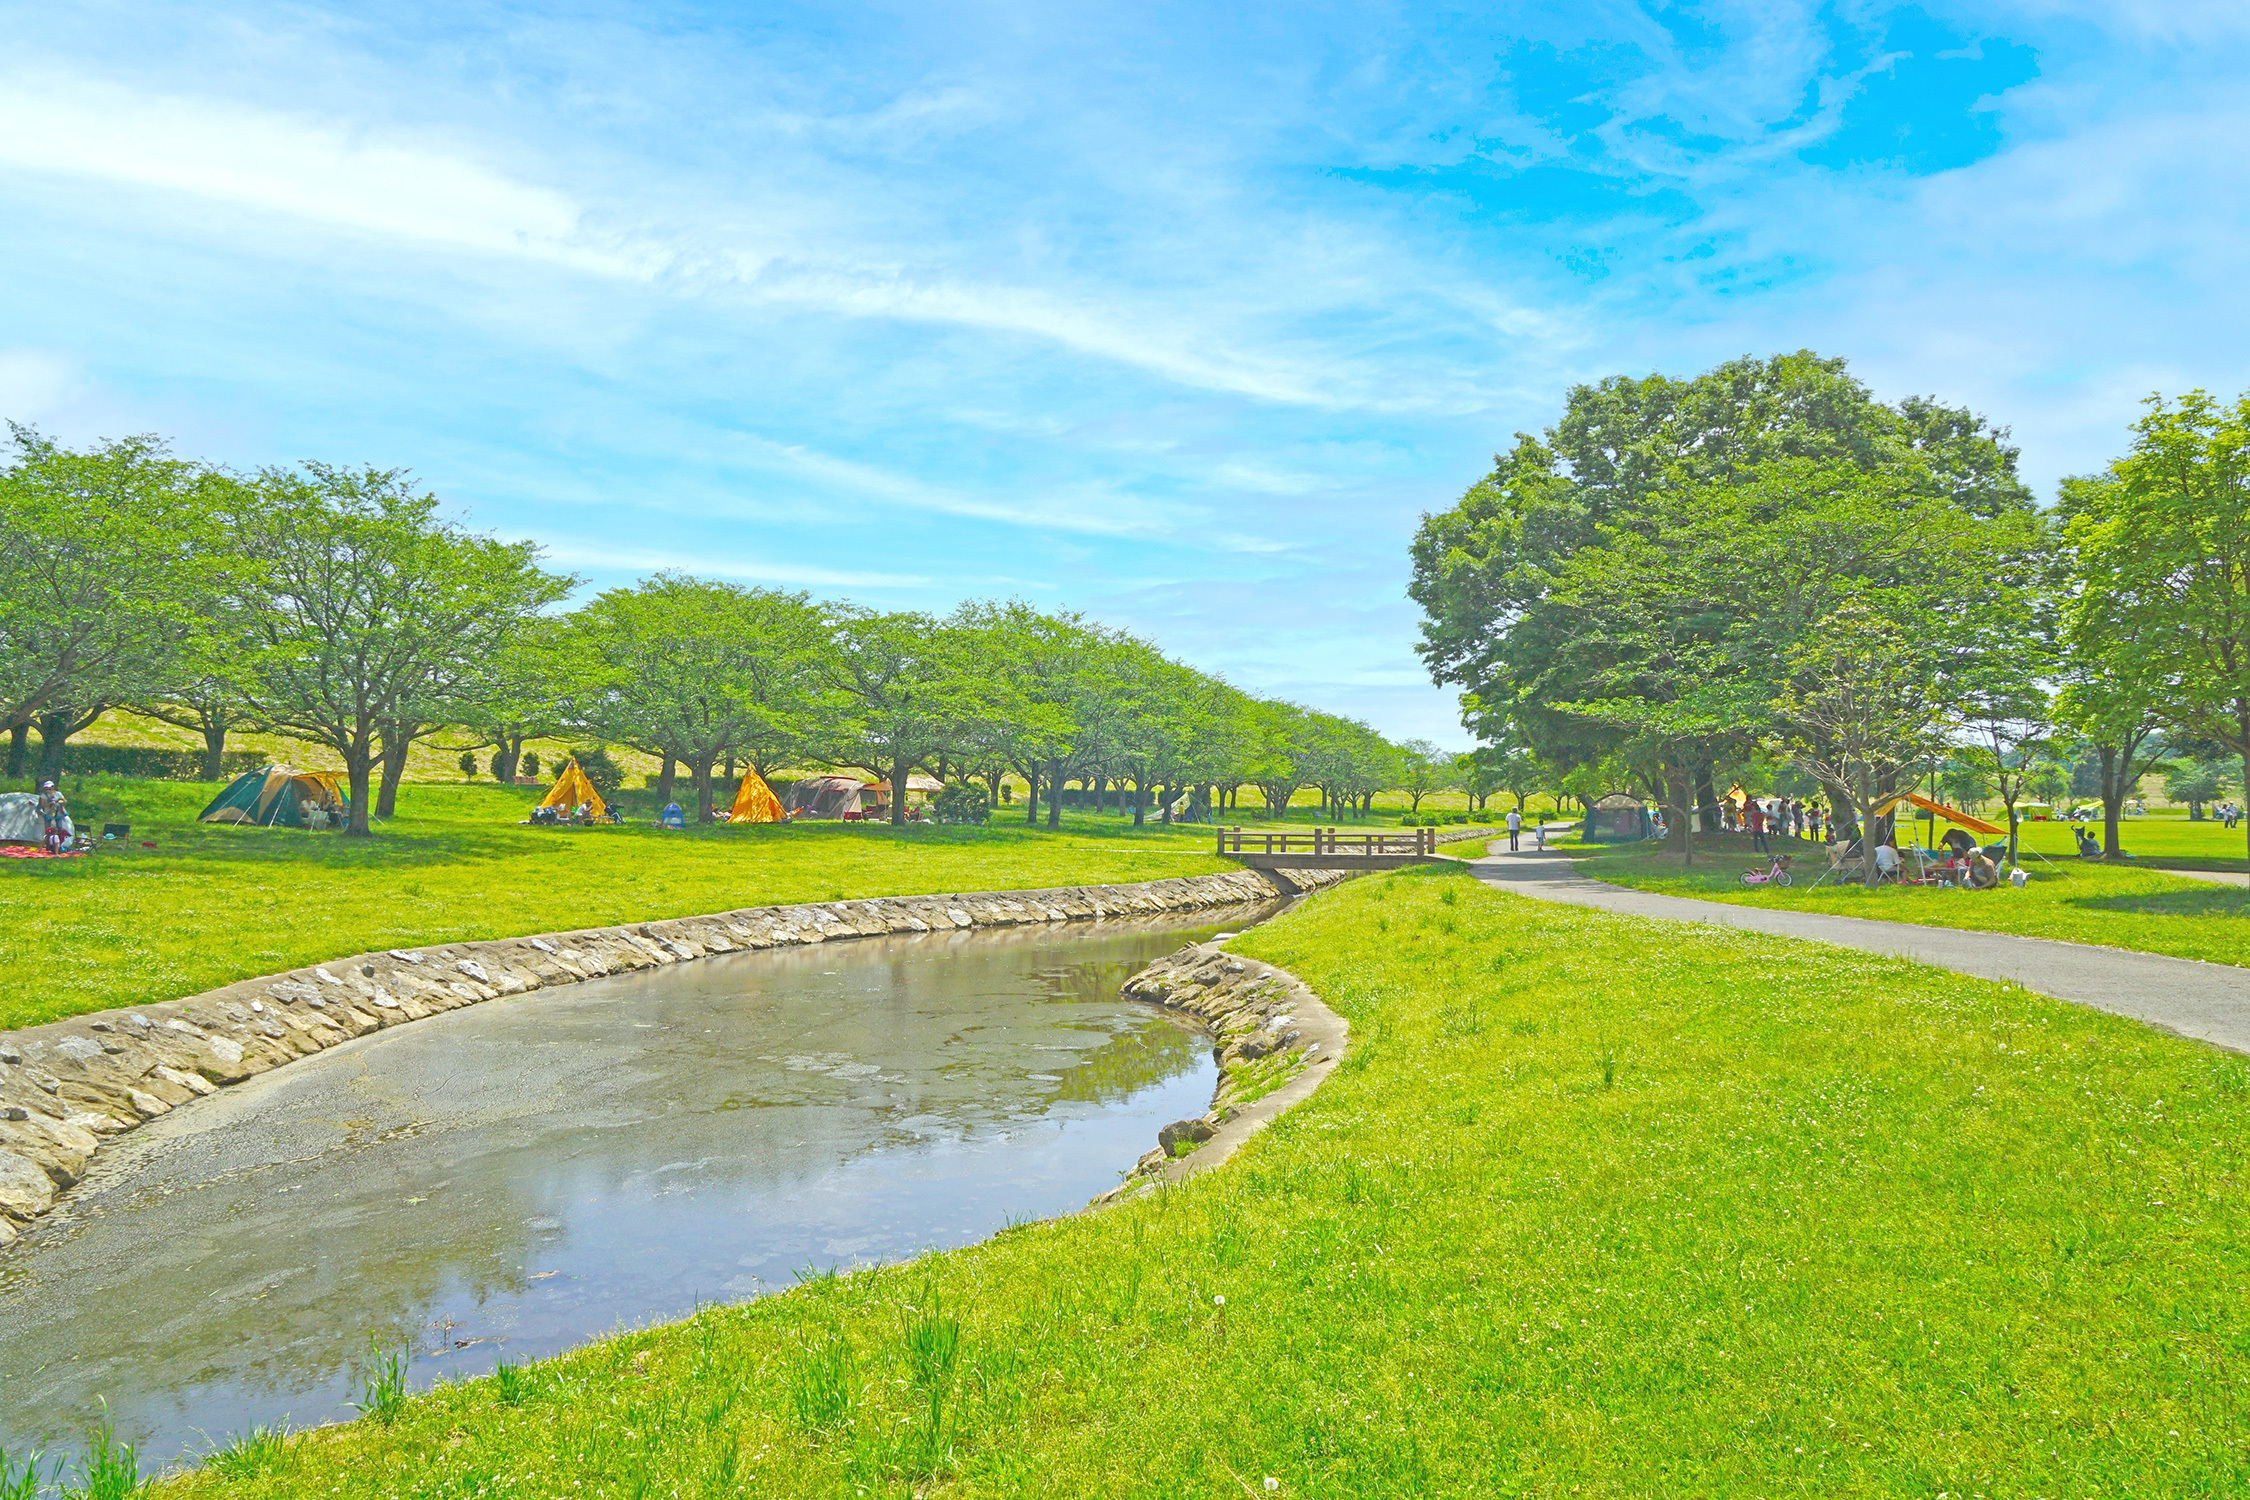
(2210, 1002)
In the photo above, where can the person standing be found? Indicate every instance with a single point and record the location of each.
(54, 817)
(1515, 828)
(1754, 812)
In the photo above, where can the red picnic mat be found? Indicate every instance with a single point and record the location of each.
(19, 851)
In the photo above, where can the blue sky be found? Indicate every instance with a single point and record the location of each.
(1178, 315)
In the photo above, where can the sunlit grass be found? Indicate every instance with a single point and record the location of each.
(1594, 1207)
(207, 905)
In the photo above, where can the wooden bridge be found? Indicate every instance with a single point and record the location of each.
(1327, 849)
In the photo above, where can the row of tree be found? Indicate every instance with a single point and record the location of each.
(1765, 570)
(339, 607)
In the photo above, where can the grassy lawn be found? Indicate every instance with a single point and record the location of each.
(130, 924)
(2115, 906)
(1594, 1208)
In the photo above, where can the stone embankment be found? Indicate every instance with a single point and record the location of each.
(68, 1086)
(1275, 1042)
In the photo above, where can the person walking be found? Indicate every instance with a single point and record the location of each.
(1515, 828)
(1754, 812)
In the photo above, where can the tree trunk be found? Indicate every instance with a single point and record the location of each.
(54, 734)
(899, 774)
(1054, 793)
(1866, 827)
(700, 769)
(214, 748)
(1031, 796)
(992, 780)
(394, 770)
(1140, 803)
(1706, 799)
(1679, 801)
(358, 768)
(664, 778)
(19, 748)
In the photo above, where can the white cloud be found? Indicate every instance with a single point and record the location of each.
(713, 565)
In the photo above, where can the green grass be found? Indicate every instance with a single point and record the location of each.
(208, 905)
(1595, 1207)
(2111, 905)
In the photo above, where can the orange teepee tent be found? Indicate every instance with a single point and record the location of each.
(572, 788)
(755, 803)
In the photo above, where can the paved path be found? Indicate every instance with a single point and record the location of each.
(2210, 1002)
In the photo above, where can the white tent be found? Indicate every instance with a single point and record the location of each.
(20, 822)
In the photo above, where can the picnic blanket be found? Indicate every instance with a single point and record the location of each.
(19, 851)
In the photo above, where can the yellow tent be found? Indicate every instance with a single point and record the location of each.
(572, 788)
(755, 803)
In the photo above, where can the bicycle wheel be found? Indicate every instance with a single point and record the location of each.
(1782, 878)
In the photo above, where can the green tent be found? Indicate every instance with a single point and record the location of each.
(275, 796)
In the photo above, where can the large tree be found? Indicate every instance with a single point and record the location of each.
(111, 555)
(902, 692)
(379, 617)
(695, 670)
(1765, 491)
(2160, 624)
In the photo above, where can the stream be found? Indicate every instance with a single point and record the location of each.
(525, 1175)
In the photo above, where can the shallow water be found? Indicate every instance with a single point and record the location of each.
(528, 1174)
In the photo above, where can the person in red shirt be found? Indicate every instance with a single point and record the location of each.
(1754, 812)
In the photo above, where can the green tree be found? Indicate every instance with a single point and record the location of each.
(902, 692)
(113, 555)
(2161, 622)
(696, 670)
(1423, 769)
(378, 619)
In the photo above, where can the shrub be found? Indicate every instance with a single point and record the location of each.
(151, 764)
(469, 766)
(603, 772)
(962, 802)
(529, 765)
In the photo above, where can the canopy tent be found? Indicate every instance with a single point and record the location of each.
(825, 797)
(1951, 815)
(572, 788)
(274, 796)
(20, 822)
(755, 802)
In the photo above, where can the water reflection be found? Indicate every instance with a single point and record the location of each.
(529, 1174)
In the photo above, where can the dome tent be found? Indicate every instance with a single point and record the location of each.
(1619, 819)
(274, 796)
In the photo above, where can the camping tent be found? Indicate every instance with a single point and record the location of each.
(1951, 815)
(572, 788)
(20, 822)
(755, 803)
(875, 796)
(825, 797)
(274, 796)
(1619, 819)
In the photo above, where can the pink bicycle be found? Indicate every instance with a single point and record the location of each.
(1775, 874)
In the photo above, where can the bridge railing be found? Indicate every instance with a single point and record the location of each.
(1327, 841)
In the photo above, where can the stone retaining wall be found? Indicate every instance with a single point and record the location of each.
(67, 1086)
(1275, 1042)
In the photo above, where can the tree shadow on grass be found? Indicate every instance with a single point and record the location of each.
(2219, 901)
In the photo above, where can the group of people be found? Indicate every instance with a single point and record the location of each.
(54, 819)
(1757, 816)
(579, 816)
